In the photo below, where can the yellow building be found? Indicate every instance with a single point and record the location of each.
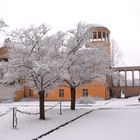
(94, 89)
(100, 37)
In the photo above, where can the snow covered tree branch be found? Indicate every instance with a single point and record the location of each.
(2, 25)
(116, 54)
(47, 61)
(34, 56)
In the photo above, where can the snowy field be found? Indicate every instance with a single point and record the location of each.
(115, 119)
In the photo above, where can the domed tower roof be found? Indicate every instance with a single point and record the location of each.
(99, 27)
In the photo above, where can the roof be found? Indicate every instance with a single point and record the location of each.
(99, 27)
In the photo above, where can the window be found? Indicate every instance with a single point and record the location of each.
(104, 38)
(46, 94)
(61, 92)
(94, 35)
(85, 92)
(19, 82)
(107, 36)
(30, 93)
(99, 35)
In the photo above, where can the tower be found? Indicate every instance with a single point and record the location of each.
(99, 37)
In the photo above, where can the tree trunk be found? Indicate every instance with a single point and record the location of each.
(41, 102)
(73, 97)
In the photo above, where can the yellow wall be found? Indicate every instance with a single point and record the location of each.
(53, 95)
(21, 93)
(95, 89)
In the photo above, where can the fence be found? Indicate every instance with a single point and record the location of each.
(14, 111)
(5, 113)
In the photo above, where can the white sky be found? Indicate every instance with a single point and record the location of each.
(122, 17)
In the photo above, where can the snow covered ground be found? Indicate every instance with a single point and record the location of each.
(115, 119)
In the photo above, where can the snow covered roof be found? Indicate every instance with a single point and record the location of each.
(97, 26)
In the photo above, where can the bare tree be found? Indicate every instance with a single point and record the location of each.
(91, 65)
(46, 61)
(116, 54)
(2, 24)
(34, 56)
(88, 64)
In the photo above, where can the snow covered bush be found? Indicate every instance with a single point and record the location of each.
(86, 100)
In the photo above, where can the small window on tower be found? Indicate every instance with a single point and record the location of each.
(107, 36)
(103, 36)
(99, 36)
(94, 35)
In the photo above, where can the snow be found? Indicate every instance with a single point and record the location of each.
(114, 119)
(98, 25)
(101, 125)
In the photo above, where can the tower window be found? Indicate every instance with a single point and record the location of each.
(103, 36)
(94, 35)
(85, 92)
(99, 35)
(61, 92)
(107, 36)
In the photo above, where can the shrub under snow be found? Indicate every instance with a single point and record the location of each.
(86, 100)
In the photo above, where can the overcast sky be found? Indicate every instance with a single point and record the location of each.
(121, 17)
